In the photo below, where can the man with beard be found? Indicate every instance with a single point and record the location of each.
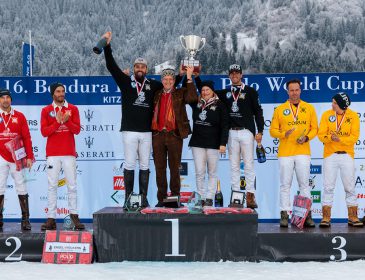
(60, 122)
(13, 125)
(137, 109)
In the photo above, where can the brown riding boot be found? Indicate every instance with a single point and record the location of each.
(284, 219)
(309, 221)
(50, 224)
(1, 210)
(353, 220)
(251, 203)
(76, 221)
(24, 206)
(326, 214)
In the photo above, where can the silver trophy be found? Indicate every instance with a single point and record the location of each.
(192, 44)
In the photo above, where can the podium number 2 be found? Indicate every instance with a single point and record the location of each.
(174, 239)
(342, 251)
(18, 244)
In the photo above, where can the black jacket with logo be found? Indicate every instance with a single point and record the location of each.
(210, 129)
(137, 111)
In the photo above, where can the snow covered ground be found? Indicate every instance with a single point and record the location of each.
(191, 271)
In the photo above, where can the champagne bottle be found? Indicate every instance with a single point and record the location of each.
(260, 153)
(98, 49)
(218, 199)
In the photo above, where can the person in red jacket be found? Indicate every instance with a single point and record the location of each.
(60, 122)
(14, 126)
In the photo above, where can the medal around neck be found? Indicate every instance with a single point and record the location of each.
(192, 44)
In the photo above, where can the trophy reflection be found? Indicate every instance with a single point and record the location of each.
(192, 44)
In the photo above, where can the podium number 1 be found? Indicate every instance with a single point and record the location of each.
(174, 238)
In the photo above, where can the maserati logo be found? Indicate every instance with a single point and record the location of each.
(89, 114)
(89, 141)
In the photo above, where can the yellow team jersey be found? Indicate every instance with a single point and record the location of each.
(346, 127)
(304, 121)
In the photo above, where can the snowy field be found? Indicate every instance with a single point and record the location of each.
(193, 270)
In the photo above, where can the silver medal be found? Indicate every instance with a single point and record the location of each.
(141, 97)
(234, 106)
(203, 115)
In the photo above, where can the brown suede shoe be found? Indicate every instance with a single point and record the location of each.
(76, 221)
(50, 224)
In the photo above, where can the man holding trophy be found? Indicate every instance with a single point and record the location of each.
(170, 125)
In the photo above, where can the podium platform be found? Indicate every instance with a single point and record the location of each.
(123, 236)
(120, 236)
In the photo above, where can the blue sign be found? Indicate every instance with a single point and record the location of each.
(102, 90)
(28, 62)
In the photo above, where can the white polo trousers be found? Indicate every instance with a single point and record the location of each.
(287, 165)
(54, 165)
(18, 176)
(137, 145)
(241, 143)
(204, 158)
(344, 164)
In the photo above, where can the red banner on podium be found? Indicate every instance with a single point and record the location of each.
(68, 247)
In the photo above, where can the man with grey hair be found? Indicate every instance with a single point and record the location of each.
(170, 125)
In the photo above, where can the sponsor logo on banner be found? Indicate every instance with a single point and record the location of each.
(361, 196)
(89, 141)
(360, 145)
(316, 196)
(183, 168)
(93, 154)
(360, 182)
(312, 182)
(118, 170)
(88, 114)
(59, 211)
(59, 198)
(118, 183)
(316, 169)
(61, 247)
(33, 125)
(183, 185)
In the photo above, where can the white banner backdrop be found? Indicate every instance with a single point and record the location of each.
(100, 168)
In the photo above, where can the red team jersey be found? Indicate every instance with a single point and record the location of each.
(14, 124)
(61, 140)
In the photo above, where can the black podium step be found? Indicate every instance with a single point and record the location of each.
(337, 243)
(120, 236)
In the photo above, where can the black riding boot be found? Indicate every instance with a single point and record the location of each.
(128, 184)
(144, 176)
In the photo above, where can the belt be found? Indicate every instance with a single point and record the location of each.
(340, 152)
(237, 128)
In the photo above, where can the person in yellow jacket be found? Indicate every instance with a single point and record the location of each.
(294, 123)
(339, 130)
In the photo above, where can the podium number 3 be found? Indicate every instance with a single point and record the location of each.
(342, 251)
(18, 244)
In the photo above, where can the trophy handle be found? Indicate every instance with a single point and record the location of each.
(202, 40)
(182, 41)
